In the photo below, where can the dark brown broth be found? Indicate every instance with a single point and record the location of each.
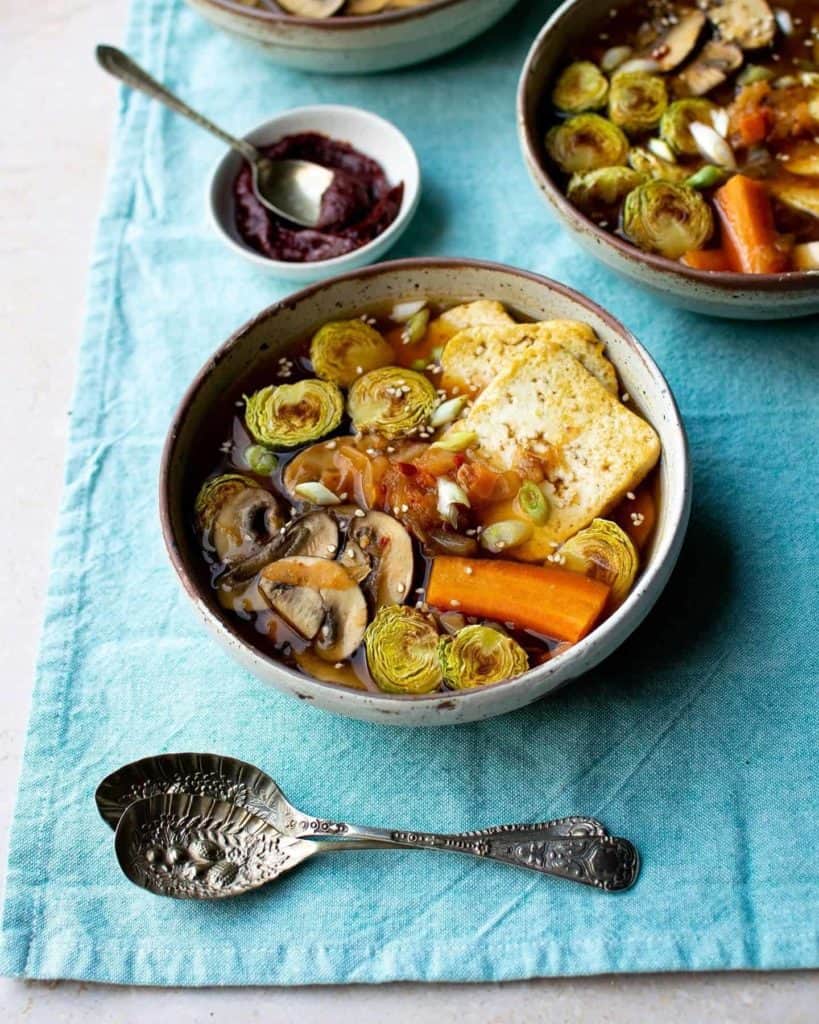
(265, 630)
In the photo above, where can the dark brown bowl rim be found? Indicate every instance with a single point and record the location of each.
(333, 24)
(198, 595)
(793, 281)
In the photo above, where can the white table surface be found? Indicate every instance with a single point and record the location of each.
(57, 119)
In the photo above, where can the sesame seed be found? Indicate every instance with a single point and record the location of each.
(331, 549)
(332, 445)
(359, 513)
(630, 495)
(342, 496)
(359, 370)
(400, 588)
(625, 396)
(405, 508)
(455, 604)
(339, 664)
(469, 570)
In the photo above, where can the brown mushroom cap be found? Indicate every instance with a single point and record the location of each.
(314, 534)
(247, 522)
(377, 553)
(320, 601)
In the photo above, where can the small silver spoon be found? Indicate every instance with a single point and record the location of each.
(194, 847)
(237, 782)
(293, 189)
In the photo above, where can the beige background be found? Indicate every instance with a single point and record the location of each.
(57, 116)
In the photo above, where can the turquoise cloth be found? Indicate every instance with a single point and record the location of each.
(697, 740)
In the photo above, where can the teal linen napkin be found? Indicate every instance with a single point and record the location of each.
(697, 739)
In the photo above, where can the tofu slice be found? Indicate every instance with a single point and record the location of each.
(470, 358)
(472, 314)
(593, 449)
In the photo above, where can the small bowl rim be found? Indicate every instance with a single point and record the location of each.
(635, 607)
(794, 280)
(332, 23)
(409, 202)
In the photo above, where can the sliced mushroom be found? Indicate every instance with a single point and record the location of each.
(674, 45)
(311, 8)
(314, 535)
(245, 524)
(715, 62)
(750, 23)
(378, 553)
(320, 601)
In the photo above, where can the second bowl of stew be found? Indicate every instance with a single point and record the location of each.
(427, 492)
(679, 142)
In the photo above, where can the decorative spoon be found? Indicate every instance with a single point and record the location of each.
(293, 189)
(195, 847)
(237, 782)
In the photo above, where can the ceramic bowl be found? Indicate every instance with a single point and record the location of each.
(339, 45)
(369, 133)
(446, 281)
(740, 296)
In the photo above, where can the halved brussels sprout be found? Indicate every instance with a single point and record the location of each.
(604, 552)
(402, 651)
(667, 219)
(391, 401)
(675, 124)
(478, 656)
(603, 189)
(586, 142)
(214, 494)
(581, 86)
(649, 165)
(637, 100)
(285, 415)
(345, 349)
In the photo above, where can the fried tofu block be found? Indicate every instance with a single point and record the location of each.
(472, 314)
(470, 358)
(593, 450)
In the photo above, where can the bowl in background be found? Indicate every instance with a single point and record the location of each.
(367, 132)
(270, 334)
(353, 45)
(740, 296)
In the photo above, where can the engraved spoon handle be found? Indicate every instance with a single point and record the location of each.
(602, 861)
(120, 65)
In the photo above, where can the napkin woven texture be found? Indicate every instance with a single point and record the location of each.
(698, 739)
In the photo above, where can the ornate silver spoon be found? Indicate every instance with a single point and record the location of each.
(293, 189)
(195, 847)
(237, 782)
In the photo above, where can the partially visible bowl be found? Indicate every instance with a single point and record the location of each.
(740, 296)
(367, 132)
(353, 45)
(447, 281)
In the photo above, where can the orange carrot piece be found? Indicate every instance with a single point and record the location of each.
(554, 602)
(753, 126)
(749, 237)
(706, 259)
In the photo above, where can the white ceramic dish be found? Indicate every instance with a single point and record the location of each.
(347, 45)
(369, 133)
(740, 296)
(452, 281)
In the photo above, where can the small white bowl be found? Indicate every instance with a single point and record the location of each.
(367, 132)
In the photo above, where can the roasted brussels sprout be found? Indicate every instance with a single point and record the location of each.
(402, 651)
(286, 415)
(603, 189)
(604, 552)
(214, 494)
(391, 401)
(478, 656)
(345, 349)
(581, 86)
(649, 165)
(667, 219)
(586, 142)
(637, 100)
(675, 124)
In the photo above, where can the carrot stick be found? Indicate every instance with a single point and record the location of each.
(554, 602)
(749, 237)
(706, 259)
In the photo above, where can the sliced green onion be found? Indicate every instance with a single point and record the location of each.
(509, 533)
(415, 328)
(260, 459)
(447, 411)
(456, 441)
(533, 503)
(317, 493)
(706, 177)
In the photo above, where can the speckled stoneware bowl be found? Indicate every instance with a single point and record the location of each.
(447, 281)
(352, 45)
(740, 296)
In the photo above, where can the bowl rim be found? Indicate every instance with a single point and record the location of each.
(409, 202)
(333, 24)
(794, 280)
(634, 608)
